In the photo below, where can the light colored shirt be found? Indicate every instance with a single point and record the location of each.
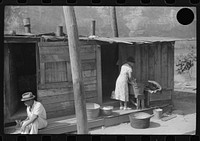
(37, 109)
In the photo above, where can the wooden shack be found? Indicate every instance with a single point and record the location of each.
(32, 64)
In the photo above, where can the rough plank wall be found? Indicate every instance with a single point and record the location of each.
(161, 64)
(13, 95)
(153, 62)
(6, 83)
(140, 53)
(58, 98)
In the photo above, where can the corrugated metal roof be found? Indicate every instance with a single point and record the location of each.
(123, 40)
(131, 40)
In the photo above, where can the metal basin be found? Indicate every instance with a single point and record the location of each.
(140, 120)
(92, 110)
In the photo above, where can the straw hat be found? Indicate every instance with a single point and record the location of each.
(27, 96)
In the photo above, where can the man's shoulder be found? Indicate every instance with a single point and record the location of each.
(38, 104)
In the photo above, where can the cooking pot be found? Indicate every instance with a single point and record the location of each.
(140, 120)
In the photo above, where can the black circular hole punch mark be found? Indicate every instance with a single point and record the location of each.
(145, 1)
(185, 16)
(194, 1)
(96, 1)
(121, 1)
(21, 1)
(170, 1)
(71, 1)
(46, 1)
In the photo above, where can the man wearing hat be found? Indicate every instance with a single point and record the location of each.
(36, 115)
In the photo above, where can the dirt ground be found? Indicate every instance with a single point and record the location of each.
(183, 123)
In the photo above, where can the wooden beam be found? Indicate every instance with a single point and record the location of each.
(42, 73)
(27, 25)
(99, 74)
(93, 27)
(73, 41)
(114, 21)
(6, 81)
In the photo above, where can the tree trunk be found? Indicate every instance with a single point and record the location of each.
(73, 41)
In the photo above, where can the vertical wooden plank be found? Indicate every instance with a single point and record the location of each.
(46, 72)
(42, 73)
(151, 67)
(37, 68)
(144, 63)
(131, 53)
(120, 56)
(173, 59)
(58, 71)
(65, 71)
(138, 63)
(6, 80)
(158, 59)
(99, 73)
(53, 65)
(61, 69)
(170, 57)
(69, 73)
(124, 53)
(119, 53)
(164, 65)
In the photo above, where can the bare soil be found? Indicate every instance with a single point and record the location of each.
(183, 123)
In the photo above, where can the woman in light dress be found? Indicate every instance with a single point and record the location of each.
(121, 92)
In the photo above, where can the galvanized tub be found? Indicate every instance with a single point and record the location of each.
(92, 110)
(140, 120)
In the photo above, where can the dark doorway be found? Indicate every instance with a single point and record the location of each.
(109, 58)
(22, 75)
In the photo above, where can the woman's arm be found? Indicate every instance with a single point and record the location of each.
(132, 80)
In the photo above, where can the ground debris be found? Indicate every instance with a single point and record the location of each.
(168, 117)
(178, 112)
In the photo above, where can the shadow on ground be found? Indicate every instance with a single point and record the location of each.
(154, 125)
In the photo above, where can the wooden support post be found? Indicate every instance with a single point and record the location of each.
(7, 90)
(93, 27)
(59, 31)
(27, 25)
(73, 41)
(114, 21)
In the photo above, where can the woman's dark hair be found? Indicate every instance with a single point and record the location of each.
(130, 59)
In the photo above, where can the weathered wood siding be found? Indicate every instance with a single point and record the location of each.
(12, 95)
(55, 89)
(154, 61)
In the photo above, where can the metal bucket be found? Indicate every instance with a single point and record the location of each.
(158, 113)
(92, 110)
(106, 110)
(140, 120)
(138, 89)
